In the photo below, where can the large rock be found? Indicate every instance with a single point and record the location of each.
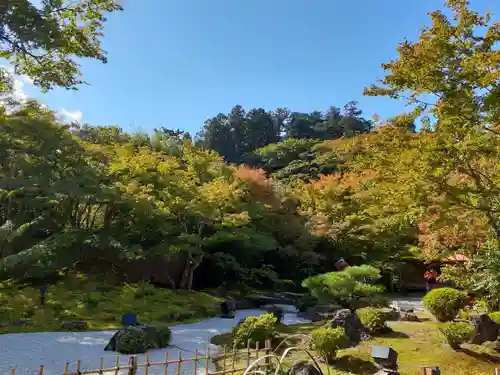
(303, 368)
(407, 316)
(486, 328)
(319, 312)
(75, 326)
(354, 329)
(493, 345)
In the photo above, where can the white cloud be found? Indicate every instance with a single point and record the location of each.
(67, 116)
(19, 96)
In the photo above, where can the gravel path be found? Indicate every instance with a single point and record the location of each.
(26, 352)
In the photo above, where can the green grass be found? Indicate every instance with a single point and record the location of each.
(418, 345)
(99, 304)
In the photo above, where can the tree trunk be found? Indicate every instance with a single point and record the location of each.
(188, 275)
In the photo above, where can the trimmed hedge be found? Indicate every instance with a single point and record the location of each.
(457, 333)
(375, 320)
(256, 329)
(445, 303)
(327, 341)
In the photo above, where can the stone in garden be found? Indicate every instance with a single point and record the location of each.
(408, 316)
(319, 312)
(75, 325)
(303, 368)
(392, 314)
(21, 322)
(493, 345)
(486, 328)
(354, 329)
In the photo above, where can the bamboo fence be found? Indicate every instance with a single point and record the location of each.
(199, 364)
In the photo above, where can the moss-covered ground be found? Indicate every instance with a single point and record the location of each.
(419, 344)
(100, 304)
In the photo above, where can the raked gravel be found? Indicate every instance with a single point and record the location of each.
(27, 351)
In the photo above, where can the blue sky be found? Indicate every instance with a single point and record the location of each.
(177, 63)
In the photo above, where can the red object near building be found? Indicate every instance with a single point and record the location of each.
(341, 264)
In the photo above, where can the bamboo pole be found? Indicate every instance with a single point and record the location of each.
(179, 363)
(195, 359)
(224, 360)
(132, 365)
(117, 364)
(248, 354)
(207, 358)
(166, 363)
(257, 355)
(148, 363)
(267, 351)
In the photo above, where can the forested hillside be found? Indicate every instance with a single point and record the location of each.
(265, 197)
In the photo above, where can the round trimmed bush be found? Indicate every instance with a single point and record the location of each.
(131, 341)
(375, 320)
(495, 316)
(327, 340)
(256, 329)
(445, 303)
(457, 333)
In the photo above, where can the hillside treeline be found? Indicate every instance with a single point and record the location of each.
(266, 198)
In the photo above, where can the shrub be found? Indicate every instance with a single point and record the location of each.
(326, 341)
(164, 335)
(277, 312)
(445, 303)
(256, 329)
(157, 337)
(375, 320)
(495, 316)
(131, 341)
(305, 301)
(92, 299)
(457, 333)
(143, 289)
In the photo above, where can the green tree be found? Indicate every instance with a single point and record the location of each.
(352, 288)
(42, 41)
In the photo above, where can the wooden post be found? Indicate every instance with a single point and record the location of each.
(207, 359)
(267, 352)
(257, 355)
(497, 371)
(233, 356)
(117, 368)
(13, 371)
(224, 353)
(166, 363)
(101, 365)
(179, 362)
(66, 369)
(248, 354)
(195, 364)
(148, 361)
(78, 366)
(41, 370)
(132, 363)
